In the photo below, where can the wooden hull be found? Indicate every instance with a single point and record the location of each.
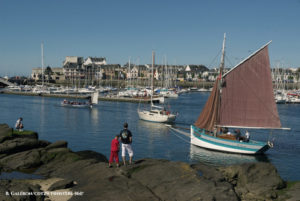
(77, 105)
(199, 138)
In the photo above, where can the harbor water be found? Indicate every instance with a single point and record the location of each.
(93, 129)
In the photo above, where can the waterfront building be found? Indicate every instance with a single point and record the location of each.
(36, 74)
(56, 73)
(133, 73)
(143, 72)
(194, 72)
(73, 68)
(286, 75)
(112, 71)
(92, 68)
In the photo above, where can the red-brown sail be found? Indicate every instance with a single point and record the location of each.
(209, 115)
(247, 98)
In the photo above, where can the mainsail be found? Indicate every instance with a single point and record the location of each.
(246, 97)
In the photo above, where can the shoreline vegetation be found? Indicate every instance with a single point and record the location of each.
(84, 175)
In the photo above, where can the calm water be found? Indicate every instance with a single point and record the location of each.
(93, 129)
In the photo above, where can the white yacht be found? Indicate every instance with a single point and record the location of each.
(156, 113)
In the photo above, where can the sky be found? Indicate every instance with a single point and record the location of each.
(183, 32)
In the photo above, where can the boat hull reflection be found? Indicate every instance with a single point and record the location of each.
(216, 158)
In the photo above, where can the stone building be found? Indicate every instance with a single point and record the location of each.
(56, 74)
(111, 71)
(73, 68)
(92, 68)
(36, 74)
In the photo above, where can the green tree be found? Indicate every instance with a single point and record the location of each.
(48, 72)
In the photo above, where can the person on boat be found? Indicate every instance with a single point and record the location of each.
(247, 136)
(126, 139)
(224, 130)
(19, 124)
(89, 100)
(114, 151)
(237, 134)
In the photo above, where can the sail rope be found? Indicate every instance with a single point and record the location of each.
(227, 59)
(174, 131)
(214, 60)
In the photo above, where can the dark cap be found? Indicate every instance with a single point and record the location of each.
(125, 125)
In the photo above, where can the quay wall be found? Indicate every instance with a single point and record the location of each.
(108, 98)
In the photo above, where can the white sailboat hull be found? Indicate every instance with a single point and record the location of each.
(155, 117)
(199, 138)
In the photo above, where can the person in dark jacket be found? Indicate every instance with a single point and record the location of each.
(126, 139)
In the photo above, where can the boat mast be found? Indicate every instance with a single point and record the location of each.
(222, 64)
(42, 49)
(129, 73)
(152, 77)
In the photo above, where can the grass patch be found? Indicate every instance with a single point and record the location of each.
(289, 185)
(24, 132)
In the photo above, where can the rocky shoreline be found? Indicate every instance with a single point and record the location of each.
(84, 175)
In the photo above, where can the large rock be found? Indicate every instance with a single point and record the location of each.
(254, 181)
(25, 134)
(98, 182)
(291, 192)
(5, 132)
(44, 143)
(25, 160)
(19, 191)
(147, 179)
(169, 180)
(92, 155)
(17, 145)
(62, 184)
(57, 144)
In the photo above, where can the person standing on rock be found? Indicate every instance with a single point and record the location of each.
(126, 139)
(114, 151)
(19, 124)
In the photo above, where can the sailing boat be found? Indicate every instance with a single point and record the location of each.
(156, 113)
(93, 99)
(242, 98)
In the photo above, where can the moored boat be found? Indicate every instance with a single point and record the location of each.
(156, 113)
